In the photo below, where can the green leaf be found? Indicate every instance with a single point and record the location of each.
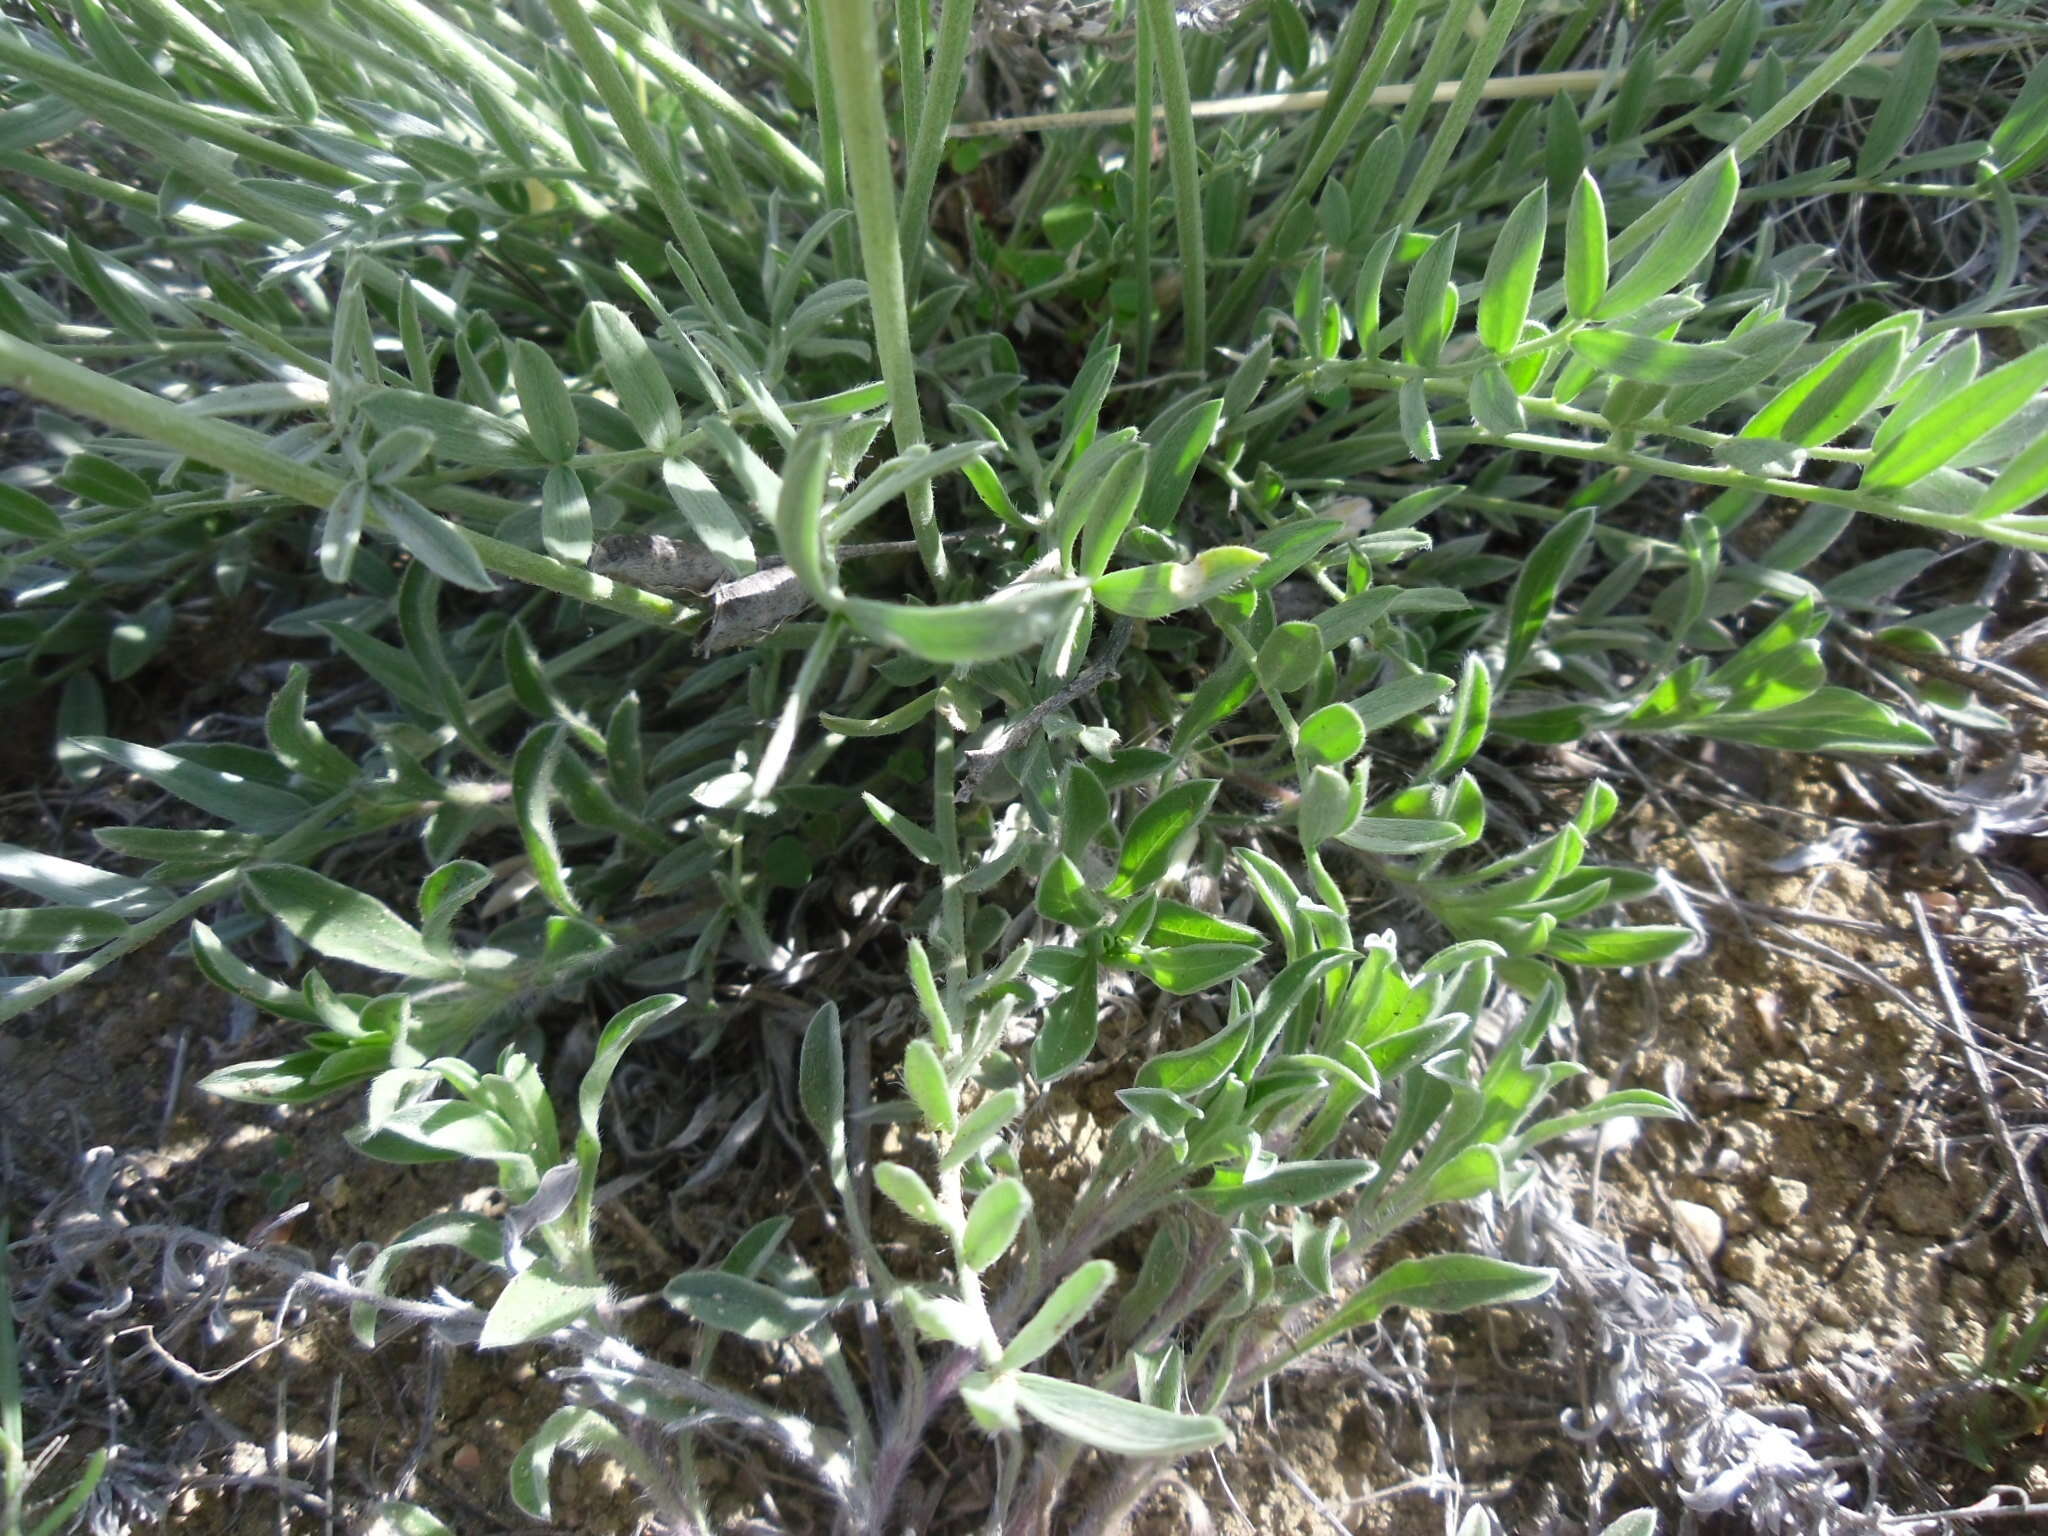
(1175, 923)
(56, 930)
(1289, 659)
(463, 435)
(1068, 1035)
(1194, 1071)
(78, 885)
(233, 797)
(533, 791)
(544, 400)
(735, 1304)
(1511, 272)
(1828, 720)
(1585, 249)
(1451, 1282)
(1831, 397)
(1400, 699)
(581, 1430)
(534, 1303)
(800, 515)
(1534, 597)
(924, 1079)
(1187, 968)
(897, 720)
(911, 1195)
(28, 515)
(1909, 86)
(1288, 1184)
(1400, 836)
(643, 389)
(1064, 897)
(1953, 423)
(1418, 431)
(917, 838)
(821, 1076)
(1333, 735)
(395, 1517)
(565, 526)
(2020, 484)
(1424, 313)
(1156, 832)
(1066, 1306)
(1617, 946)
(958, 634)
(298, 743)
(1650, 360)
(1178, 440)
(1154, 591)
(1290, 36)
(432, 540)
(331, 919)
(1114, 1424)
(102, 480)
(993, 1223)
(981, 1125)
(1687, 238)
(1496, 408)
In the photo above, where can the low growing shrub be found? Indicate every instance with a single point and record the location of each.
(939, 624)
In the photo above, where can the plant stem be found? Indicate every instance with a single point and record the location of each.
(1155, 23)
(949, 68)
(856, 69)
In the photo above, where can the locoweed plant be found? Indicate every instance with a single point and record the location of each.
(1067, 584)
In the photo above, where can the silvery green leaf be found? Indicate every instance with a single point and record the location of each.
(643, 389)
(544, 400)
(1154, 591)
(1287, 1184)
(821, 1076)
(981, 1124)
(534, 1303)
(1398, 836)
(431, 540)
(924, 1078)
(736, 1304)
(1114, 1424)
(1450, 1282)
(233, 797)
(911, 1195)
(565, 526)
(993, 1222)
(959, 634)
(56, 930)
(1067, 1305)
(79, 885)
(946, 1319)
(577, 1430)
(332, 919)
(463, 435)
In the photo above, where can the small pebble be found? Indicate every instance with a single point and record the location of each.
(1699, 1228)
(467, 1460)
(1744, 1263)
(1784, 1200)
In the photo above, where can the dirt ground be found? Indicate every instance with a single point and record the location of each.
(1844, 1195)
